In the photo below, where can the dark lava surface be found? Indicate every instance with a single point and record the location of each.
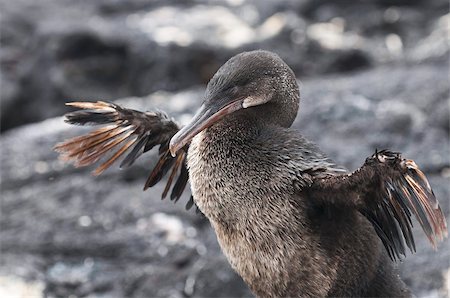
(373, 75)
(55, 50)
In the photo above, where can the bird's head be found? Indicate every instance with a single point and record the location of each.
(257, 82)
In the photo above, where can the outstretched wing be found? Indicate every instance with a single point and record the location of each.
(125, 133)
(387, 190)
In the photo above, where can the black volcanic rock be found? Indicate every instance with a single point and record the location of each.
(56, 50)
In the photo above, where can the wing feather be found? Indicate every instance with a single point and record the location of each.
(136, 151)
(180, 184)
(125, 130)
(178, 163)
(388, 190)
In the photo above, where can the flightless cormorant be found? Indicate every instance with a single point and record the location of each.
(290, 221)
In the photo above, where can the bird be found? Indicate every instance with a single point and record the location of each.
(290, 220)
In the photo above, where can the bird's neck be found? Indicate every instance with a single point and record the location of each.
(236, 127)
(219, 158)
(226, 158)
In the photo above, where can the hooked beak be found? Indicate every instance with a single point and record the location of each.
(204, 118)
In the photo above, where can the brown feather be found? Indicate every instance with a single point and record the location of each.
(136, 152)
(94, 142)
(76, 141)
(140, 131)
(164, 163)
(404, 190)
(93, 156)
(98, 105)
(180, 184)
(116, 155)
(178, 162)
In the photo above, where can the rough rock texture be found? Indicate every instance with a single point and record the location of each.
(374, 75)
(53, 50)
(74, 234)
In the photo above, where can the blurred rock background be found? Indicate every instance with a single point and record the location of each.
(374, 74)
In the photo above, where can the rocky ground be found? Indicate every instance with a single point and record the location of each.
(53, 50)
(374, 75)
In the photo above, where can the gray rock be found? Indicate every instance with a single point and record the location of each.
(53, 50)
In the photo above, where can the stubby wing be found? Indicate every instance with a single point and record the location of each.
(387, 190)
(125, 133)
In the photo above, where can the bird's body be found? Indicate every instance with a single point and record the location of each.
(242, 180)
(291, 222)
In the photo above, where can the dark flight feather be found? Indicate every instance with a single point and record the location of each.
(164, 164)
(387, 190)
(179, 161)
(190, 203)
(135, 152)
(180, 184)
(129, 131)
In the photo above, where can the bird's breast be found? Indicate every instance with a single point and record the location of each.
(231, 179)
(216, 178)
(247, 194)
(238, 176)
